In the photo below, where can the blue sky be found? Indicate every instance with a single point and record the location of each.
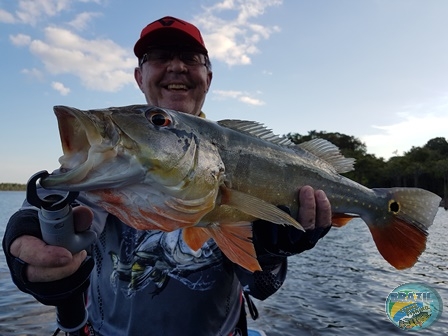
(373, 69)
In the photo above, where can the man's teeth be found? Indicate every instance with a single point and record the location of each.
(177, 87)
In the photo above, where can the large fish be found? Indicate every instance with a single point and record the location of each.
(159, 169)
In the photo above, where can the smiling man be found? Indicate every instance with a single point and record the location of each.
(174, 69)
(150, 282)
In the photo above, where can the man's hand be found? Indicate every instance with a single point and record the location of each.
(49, 263)
(315, 210)
(283, 241)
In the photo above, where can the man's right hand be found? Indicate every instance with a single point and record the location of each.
(50, 263)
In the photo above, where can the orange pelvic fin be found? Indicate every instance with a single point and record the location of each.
(195, 237)
(399, 243)
(234, 240)
(339, 220)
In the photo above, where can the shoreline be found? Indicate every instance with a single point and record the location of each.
(12, 187)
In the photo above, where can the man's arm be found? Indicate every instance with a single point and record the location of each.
(49, 273)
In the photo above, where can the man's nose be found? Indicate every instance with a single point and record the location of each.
(177, 65)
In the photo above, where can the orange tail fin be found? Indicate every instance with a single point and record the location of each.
(234, 240)
(399, 243)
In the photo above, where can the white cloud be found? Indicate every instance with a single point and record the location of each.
(33, 73)
(6, 17)
(227, 94)
(238, 95)
(20, 39)
(81, 21)
(420, 123)
(60, 88)
(234, 40)
(30, 11)
(100, 64)
(98, 2)
(251, 101)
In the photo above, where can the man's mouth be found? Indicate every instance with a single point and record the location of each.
(176, 87)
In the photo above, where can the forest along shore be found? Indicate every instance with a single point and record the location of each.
(12, 187)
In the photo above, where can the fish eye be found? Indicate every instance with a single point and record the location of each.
(159, 118)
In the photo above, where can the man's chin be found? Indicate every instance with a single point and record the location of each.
(181, 106)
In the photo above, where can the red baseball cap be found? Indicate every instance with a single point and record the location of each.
(170, 31)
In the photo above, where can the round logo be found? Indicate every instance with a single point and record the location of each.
(413, 306)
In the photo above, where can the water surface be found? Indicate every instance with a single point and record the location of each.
(338, 288)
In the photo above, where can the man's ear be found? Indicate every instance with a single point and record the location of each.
(209, 79)
(138, 76)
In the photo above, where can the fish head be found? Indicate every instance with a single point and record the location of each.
(118, 146)
(149, 166)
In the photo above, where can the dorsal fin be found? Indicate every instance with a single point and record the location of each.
(257, 129)
(320, 148)
(327, 151)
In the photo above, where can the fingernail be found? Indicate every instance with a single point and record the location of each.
(83, 254)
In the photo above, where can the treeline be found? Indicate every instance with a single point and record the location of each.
(424, 167)
(12, 187)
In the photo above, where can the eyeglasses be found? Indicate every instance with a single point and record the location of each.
(164, 56)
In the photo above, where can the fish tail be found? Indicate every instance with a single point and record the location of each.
(400, 232)
(233, 239)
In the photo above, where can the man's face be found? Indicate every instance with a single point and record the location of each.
(174, 84)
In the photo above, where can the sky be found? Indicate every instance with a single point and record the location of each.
(373, 69)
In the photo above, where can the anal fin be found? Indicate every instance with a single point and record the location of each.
(233, 239)
(340, 220)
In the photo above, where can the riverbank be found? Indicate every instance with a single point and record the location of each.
(12, 187)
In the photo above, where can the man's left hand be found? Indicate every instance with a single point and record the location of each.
(283, 241)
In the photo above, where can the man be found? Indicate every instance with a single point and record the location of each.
(150, 282)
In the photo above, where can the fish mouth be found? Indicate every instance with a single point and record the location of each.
(93, 153)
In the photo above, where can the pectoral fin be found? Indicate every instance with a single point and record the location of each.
(257, 207)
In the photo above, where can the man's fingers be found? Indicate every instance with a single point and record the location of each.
(82, 218)
(36, 252)
(323, 210)
(307, 210)
(46, 274)
(315, 208)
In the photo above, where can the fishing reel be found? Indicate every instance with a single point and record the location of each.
(57, 227)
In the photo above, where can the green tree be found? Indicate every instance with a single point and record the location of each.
(368, 168)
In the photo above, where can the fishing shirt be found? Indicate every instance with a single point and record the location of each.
(152, 283)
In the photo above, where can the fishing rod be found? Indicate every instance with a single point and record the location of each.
(57, 227)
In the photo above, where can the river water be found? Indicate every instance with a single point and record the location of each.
(338, 288)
